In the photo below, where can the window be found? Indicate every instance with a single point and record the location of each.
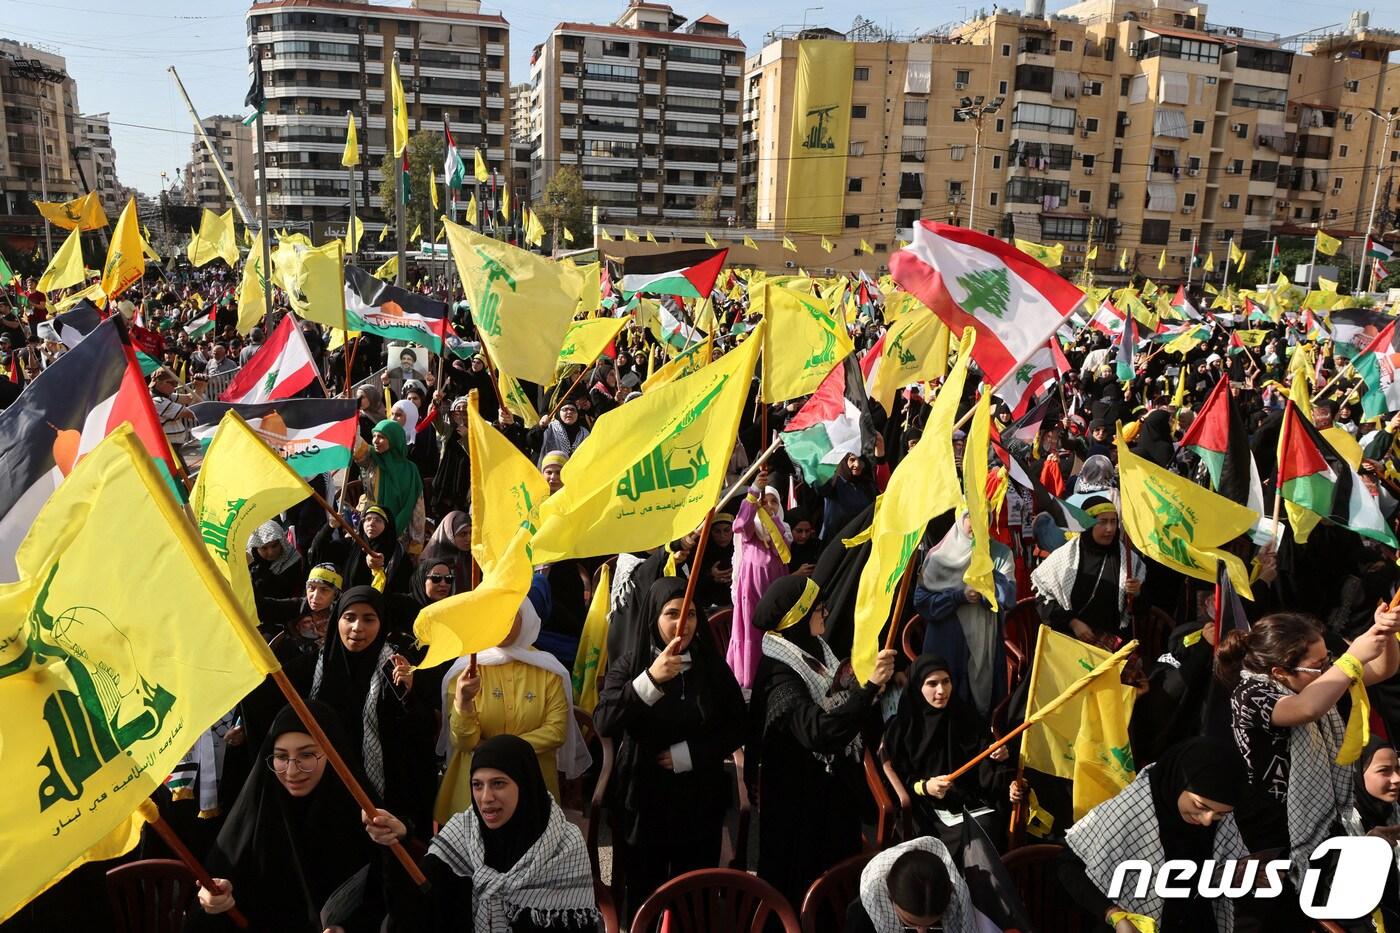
(1184, 235)
(912, 148)
(996, 161)
(853, 185)
(1259, 98)
(1001, 87)
(1087, 160)
(1034, 78)
(1342, 151)
(1161, 197)
(1093, 88)
(1172, 123)
(911, 186)
(858, 111)
(1156, 232)
(1091, 124)
(962, 76)
(1347, 120)
(1043, 191)
(1194, 163)
(1173, 87)
(916, 112)
(992, 199)
(1190, 50)
(1232, 202)
(1337, 186)
(1085, 195)
(1123, 86)
(1005, 51)
(1118, 160)
(862, 74)
(852, 221)
(1188, 199)
(1198, 127)
(1064, 228)
(857, 148)
(955, 191)
(1066, 45)
(1043, 117)
(1001, 127)
(957, 153)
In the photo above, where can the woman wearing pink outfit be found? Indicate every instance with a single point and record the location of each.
(761, 555)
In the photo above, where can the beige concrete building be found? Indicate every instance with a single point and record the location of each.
(521, 137)
(1122, 124)
(647, 110)
(97, 161)
(240, 162)
(38, 141)
(323, 57)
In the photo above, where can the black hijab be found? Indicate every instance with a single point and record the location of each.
(514, 757)
(781, 596)
(346, 675)
(1374, 812)
(922, 740)
(426, 564)
(386, 545)
(286, 855)
(1154, 441)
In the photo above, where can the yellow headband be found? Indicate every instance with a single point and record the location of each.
(326, 575)
(810, 592)
(1101, 509)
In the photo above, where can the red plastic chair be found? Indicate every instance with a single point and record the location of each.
(911, 640)
(887, 809)
(824, 906)
(715, 900)
(151, 896)
(721, 625)
(1018, 634)
(1048, 904)
(606, 907)
(596, 811)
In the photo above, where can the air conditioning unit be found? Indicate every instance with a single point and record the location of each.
(1084, 134)
(1280, 205)
(1088, 170)
(829, 270)
(1231, 170)
(1127, 121)
(1132, 50)
(1193, 172)
(790, 264)
(1086, 208)
(960, 86)
(1188, 209)
(1238, 127)
(1088, 89)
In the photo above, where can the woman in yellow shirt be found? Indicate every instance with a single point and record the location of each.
(516, 690)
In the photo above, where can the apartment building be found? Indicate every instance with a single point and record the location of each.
(321, 58)
(1122, 124)
(647, 110)
(97, 161)
(521, 138)
(234, 141)
(38, 140)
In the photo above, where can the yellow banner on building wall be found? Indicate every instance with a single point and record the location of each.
(821, 137)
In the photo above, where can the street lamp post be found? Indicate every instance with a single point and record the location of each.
(974, 109)
(1375, 195)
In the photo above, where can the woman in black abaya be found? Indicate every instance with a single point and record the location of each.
(675, 710)
(292, 838)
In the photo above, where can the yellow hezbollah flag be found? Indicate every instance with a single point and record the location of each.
(1181, 525)
(923, 485)
(351, 156)
(242, 484)
(586, 340)
(568, 235)
(827, 245)
(506, 490)
(93, 293)
(481, 618)
(1327, 245)
(534, 230)
(915, 350)
(802, 343)
(651, 237)
(252, 290)
(821, 137)
(1080, 712)
(684, 364)
(979, 573)
(788, 245)
(748, 241)
(590, 296)
(479, 170)
(84, 213)
(1048, 256)
(400, 108)
(629, 236)
(592, 655)
(710, 240)
(865, 247)
(66, 267)
(355, 231)
(1162, 261)
(1237, 256)
(1210, 262)
(472, 210)
(126, 260)
(388, 270)
(505, 201)
(515, 399)
(521, 303)
(651, 469)
(216, 239)
(313, 278)
(107, 677)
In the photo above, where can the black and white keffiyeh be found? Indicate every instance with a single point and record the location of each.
(1320, 791)
(552, 882)
(370, 746)
(1125, 827)
(817, 675)
(1055, 575)
(960, 917)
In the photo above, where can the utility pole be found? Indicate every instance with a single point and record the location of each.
(1375, 194)
(1191, 263)
(973, 109)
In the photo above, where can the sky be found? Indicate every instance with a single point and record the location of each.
(119, 50)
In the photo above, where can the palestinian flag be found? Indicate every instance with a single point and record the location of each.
(672, 330)
(380, 308)
(1026, 427)
(689, 273)
(1044, 367)
(200, 326)
(834, 422)
(1218, 437)
(73, 325)
(1377, 365)
(1184, 306)
(62, 415)
(454, 170)
(1314, 477)
(1378, 251)
(280, 369)
(314, 435)
(973, 280)
(1127, 344)
(1353, 329)
(1065, 514)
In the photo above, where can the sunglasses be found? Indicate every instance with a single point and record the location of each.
(440, 578)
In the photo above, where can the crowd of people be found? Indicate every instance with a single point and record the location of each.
(482, 768)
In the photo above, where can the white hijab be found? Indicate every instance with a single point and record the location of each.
(573, 756)
(410, 419)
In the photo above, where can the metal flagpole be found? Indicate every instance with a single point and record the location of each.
(1312, 263)
(266, 230)
(1191, 263)
(399, 205)
(350, 170)
(1229, 259)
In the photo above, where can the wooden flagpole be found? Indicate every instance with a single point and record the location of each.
(151, 814)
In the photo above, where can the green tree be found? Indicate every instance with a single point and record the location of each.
(1292, 253)
(707, 208)
(425, 154)
(565, 204)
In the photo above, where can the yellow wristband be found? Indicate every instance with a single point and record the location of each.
(1350, 666)
(1140, 923)
(919, 789)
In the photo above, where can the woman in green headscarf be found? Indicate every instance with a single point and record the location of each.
(392, 480)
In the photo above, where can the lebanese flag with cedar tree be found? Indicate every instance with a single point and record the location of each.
(973, 280)
(1044, 366)
(280, 369)
(834, 422)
